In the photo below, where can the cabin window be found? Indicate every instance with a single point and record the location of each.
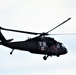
(42, 44)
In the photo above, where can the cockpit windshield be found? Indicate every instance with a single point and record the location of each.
(63, 45)
(59, 45)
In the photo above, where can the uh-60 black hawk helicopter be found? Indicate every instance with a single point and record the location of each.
(39, 45)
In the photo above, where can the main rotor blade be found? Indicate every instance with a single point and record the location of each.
(59, 25)
(19, 31)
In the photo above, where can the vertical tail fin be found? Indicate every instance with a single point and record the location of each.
(2, 38)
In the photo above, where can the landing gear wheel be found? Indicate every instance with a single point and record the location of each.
(45, 58)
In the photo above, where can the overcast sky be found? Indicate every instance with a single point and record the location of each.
(38, 16)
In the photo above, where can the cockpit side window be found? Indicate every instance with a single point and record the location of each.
(58, 45)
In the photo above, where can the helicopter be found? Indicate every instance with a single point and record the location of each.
(41, 44)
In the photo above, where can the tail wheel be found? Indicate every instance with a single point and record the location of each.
(11, 52)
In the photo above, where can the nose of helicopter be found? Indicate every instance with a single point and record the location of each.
(65, 50)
